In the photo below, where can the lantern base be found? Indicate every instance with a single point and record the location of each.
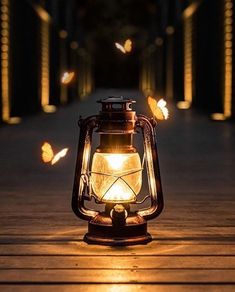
(101, 231)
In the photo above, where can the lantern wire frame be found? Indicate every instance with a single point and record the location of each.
(86, 177)
(81, 189)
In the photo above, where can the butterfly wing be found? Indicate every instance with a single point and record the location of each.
(120, 47)
(128, 45)
(59, 155)
(162, 106)
(158, 109)
(67, 77)
(47, 152)
(152, 104)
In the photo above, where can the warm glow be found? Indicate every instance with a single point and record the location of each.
(116, 160)
(159, 109)
(67, 77)
(183, 105)
(170, 30)
(42, 13)
(74, 45)
(126, 48)
(116, 177)
(49, 108)
(63, 34)
(49, 156)
(128, 45)
(14, 120)
(190, 10)
(218, 117)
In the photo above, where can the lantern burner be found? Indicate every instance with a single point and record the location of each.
(118, 215)
(117, 227)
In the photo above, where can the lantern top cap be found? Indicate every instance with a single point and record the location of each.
(116, 99)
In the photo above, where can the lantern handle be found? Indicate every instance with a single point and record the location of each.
(82, 167)
(153, 170)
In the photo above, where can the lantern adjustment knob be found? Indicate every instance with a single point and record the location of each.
(118, 215)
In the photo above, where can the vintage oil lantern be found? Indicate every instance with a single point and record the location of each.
(112, 176)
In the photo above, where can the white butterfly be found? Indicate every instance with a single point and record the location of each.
(67, 77)
(49, 156)
(126, 48)
(158, 108)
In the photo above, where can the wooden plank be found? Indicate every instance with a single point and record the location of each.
(11, 240)
(104, 262)
(40, 227)
(81, 248)
(118, 288)
(117, 276)
(24, 235)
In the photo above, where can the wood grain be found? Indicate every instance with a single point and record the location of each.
(119, 262)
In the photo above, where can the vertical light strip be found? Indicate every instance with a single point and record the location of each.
(5, 60)
(188, 66)
(147, 81)
(188, 61)
(45, 64)
(228, 57)
(188, 15)
(45, 59)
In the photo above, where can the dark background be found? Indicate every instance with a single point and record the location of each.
(81, 37)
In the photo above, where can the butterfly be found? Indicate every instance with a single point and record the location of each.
(158, 108)
(49, 156)
(126, 48)
(67, 77)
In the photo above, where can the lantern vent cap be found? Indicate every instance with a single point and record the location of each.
(116, 99)
(116, 103)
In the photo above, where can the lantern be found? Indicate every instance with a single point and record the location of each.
(113, 176)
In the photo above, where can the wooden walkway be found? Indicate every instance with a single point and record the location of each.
(41, 247)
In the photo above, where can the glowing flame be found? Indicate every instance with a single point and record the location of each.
(49, 156)
(67, 77)
(126, 48)
(159, 109)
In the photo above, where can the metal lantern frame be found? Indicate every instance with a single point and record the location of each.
(117, 225)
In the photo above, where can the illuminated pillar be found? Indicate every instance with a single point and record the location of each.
(5, 59)
(188, 15)
(45, 66)
(188, 61)
(227, 63)
(45, 58)
(5, 51)
(228, 57)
